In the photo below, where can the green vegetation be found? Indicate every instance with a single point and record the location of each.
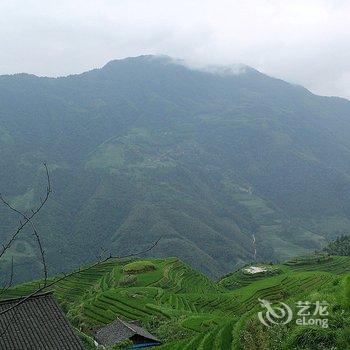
(138, 267)
(341, 246)
(143, 148)
(188, 311)
(125, 344)
(243, 276)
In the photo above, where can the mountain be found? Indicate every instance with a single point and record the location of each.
(211, 160)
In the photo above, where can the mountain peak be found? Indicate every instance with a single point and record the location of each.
(162, 59)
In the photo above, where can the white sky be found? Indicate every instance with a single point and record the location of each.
(302, 41)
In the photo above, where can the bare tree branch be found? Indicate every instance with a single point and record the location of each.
(42, 253)
(27, 219)
(48, 285)
(9, 283)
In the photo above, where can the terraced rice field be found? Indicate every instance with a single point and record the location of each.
(208, 312)
(335, 264)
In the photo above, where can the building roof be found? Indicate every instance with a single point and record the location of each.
(120, 330)
(36, 324)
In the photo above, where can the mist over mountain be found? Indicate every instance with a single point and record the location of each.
(147, 147)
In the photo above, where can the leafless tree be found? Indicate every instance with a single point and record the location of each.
(27, 220)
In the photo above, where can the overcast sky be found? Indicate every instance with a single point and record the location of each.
(302, 41)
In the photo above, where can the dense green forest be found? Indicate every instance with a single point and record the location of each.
(145, 147)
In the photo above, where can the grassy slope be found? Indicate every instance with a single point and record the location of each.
(175, 302)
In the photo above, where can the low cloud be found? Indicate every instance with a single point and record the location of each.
(304, 42)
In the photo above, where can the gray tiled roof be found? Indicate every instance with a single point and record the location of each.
(119, 330)
(36, 324)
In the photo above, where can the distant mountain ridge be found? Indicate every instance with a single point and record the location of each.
(145, 147)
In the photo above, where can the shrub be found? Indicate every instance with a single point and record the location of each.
(306, 338)
(124, 344)
(347, 292)
(139, 267)
(168, 330)
(127, 281)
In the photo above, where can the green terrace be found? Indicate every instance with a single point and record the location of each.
(187, 310)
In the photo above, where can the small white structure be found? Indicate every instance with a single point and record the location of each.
(254, 269)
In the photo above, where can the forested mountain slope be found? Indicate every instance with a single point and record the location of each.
(145, 147)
